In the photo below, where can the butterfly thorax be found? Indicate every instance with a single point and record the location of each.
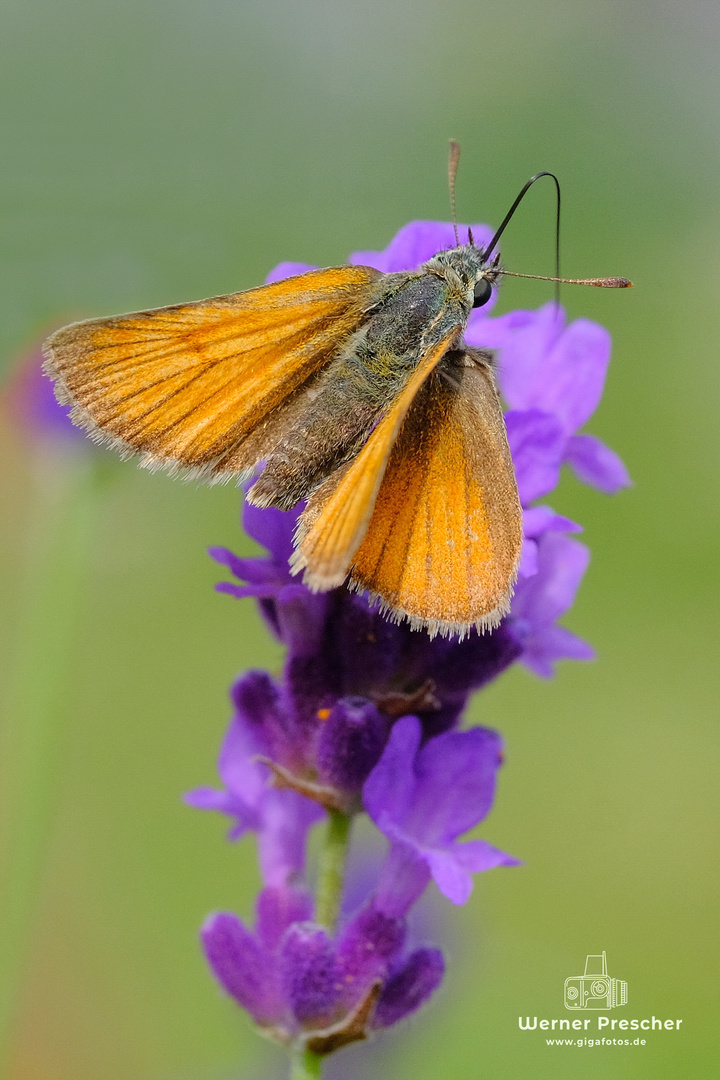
(410, 315)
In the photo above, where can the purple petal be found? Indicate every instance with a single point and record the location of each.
(536, 444)
(528, 559)
(417, 242)
(228, 558)
(451, 878)
(541, 599)
(256, 696)
(242, 966)
(455, 785)
(456, 668)
(273, 529)
(288, 269)
(596, 464)
(282, 837)
(544, 647)
(446, 791)
(541, 519)
(308, 691)
(560, 370)
(403, 879)
(574, 374)
(525, 339)
(499, 333)
(390, 788)
(241, 592)
(239, 771)
(254, 571)
(277, 908)
(301, 618)
(363, 654)
(452, 869)
(351, 742)
(224, 802)
(370, 941)
(413, 984)
(271, 724)
(208, 798)
(477, 856)
(309, 974)
(364, 649)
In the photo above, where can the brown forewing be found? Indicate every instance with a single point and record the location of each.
(186, 386)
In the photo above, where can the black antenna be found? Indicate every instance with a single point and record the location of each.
(488, 250)
(452, 171)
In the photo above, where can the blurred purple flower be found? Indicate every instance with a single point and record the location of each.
(297, 981)
(33, 407)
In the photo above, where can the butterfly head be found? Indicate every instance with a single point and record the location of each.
(468, 272)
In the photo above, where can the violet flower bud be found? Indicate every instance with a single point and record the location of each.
(351, 742)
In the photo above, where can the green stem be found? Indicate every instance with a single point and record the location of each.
(332, 869)
(306, 1065)
(58, 544)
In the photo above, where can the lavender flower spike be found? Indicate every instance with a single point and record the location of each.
(364, 716)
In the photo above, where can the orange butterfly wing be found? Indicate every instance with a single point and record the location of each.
(337, 515)
(191, 386)
(443, 543)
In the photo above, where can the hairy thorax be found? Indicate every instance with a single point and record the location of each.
(359, 384)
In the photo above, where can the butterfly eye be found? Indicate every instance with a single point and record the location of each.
(482, 292)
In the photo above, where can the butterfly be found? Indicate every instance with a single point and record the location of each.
(357, 392)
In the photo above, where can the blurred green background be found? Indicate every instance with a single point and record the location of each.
(158, 152)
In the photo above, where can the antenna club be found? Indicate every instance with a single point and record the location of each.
(452, 172)
(601, 282)
(618, 283)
